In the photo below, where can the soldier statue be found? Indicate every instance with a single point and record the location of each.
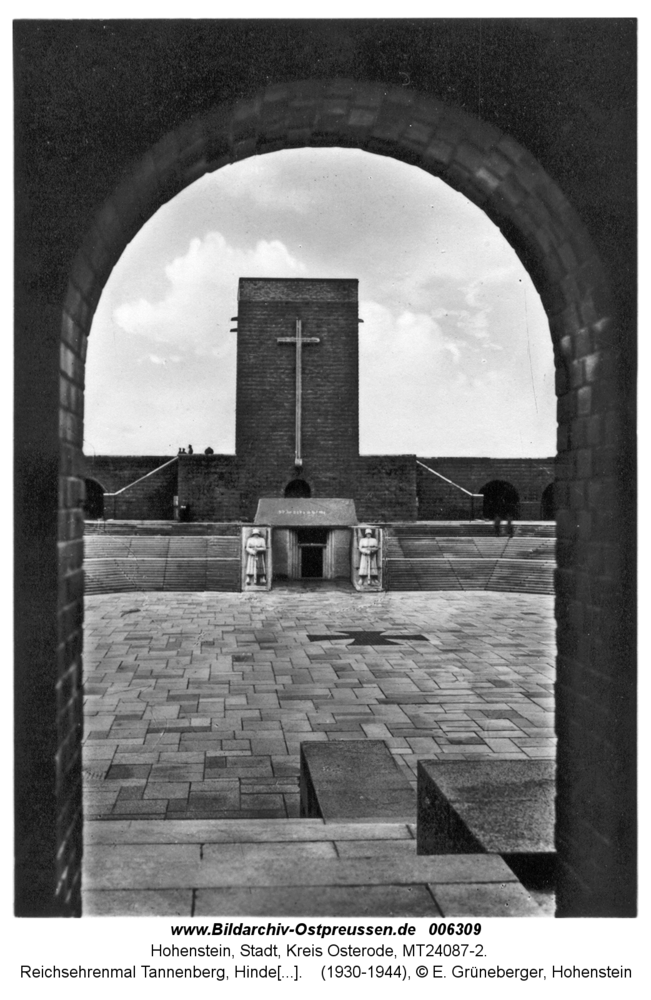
(256, 566)
(368, 569)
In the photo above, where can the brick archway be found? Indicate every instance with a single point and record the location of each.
(594, 837)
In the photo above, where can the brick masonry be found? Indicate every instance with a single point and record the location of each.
(530, 477)
(154, 493)
(210, 487)
(67, 246)
(114, 472)
(384, 487)
(266, 386)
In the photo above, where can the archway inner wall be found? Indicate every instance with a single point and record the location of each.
(595, 684)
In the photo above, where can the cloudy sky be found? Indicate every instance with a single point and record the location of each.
(455, 352)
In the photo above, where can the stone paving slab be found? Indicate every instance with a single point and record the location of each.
(329, 901)
(240, 831)
(187, 690)
(185, 866)
(138, 903)
(375, 848)
(287, 867)
(480, 900)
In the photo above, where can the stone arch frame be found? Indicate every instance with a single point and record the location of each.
(595, 838)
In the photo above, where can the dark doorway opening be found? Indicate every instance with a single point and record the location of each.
(298, 489)
(312, 536)
(311, 544)
(548, 504)
(501, 499)
(312, 562)
(94, 502)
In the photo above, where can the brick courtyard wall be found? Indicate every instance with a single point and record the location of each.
(439, 501)
(384, 488)
(149, 499)
(64, 92)
(209, 485)
(222, 487)
(115, 472)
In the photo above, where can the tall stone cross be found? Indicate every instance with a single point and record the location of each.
(299, 340)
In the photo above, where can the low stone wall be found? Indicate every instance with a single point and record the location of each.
(165, 527)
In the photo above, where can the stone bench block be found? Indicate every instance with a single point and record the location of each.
(501, 807)
(354, 781)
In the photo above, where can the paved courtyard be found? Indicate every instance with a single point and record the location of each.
(197, 703)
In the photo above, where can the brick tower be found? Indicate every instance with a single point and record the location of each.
(297, 423)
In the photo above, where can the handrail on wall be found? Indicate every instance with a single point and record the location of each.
(146, 476)
(456, 485)
(473, 496)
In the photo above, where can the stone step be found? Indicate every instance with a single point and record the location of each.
(431, 547)
(532, 578)
(104, 575)
(138, 547)
(299, 868)
(173, 866)
(517, 575)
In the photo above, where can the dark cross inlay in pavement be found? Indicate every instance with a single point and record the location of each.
(364, 638)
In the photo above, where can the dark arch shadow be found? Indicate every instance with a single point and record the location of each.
(94, 502)
(548, 503)
(501, 499)
(298, 489)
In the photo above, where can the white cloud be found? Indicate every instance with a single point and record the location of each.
(202, 292)
(403, 332)
(478, 289)
(260, 179)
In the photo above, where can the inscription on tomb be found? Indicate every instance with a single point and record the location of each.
(294, 513)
